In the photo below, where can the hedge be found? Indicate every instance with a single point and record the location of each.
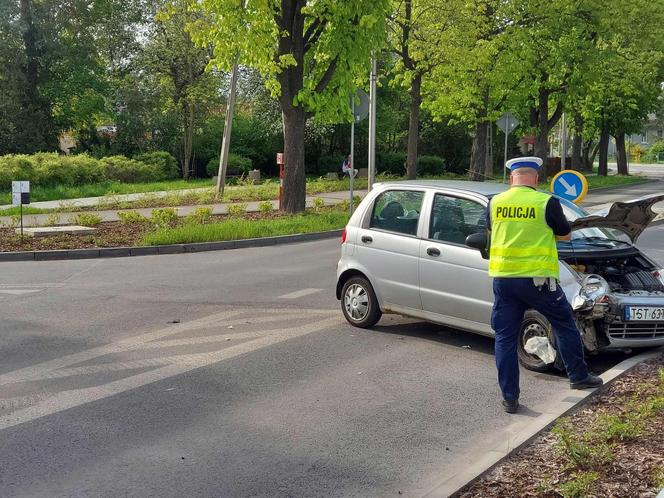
(653, 151)
(430, 166)
(48, 169)
(237, 165)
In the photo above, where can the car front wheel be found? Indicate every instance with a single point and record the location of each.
(359, 303)
(535, 325)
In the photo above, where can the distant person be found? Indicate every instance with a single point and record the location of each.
(347, 166)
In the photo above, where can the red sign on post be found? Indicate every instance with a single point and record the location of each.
(280, 162)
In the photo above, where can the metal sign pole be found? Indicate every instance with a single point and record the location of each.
(563, 143)
(352, 157)
(506, 135)
(226, 141)
(21, 209)
(372, 124)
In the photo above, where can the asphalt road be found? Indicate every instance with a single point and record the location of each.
(233, 374)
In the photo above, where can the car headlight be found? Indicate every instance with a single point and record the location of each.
(659, 275)
(593, 287)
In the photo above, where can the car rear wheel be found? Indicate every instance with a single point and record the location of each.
(359, 303)
(535, 324)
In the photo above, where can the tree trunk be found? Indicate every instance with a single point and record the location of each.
(621, 153)
(187, 140)
(295, 179)
(478, 158)
(603, 151)
(577, 143)
(414, 127)
(488, 166)
(539, 117)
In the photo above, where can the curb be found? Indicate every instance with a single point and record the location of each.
(121, 252)
(522, 432)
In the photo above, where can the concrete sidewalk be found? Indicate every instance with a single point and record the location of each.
(32, 220)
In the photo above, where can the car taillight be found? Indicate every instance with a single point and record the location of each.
(343, 236)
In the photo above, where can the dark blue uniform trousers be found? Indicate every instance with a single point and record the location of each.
(513, 296)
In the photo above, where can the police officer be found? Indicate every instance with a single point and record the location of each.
(524, 225)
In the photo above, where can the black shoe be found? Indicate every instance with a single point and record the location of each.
(589, 382)
(511, 406)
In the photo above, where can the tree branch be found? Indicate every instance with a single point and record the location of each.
(327, 75)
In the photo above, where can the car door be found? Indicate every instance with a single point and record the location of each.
(454, 283)
(388, 247)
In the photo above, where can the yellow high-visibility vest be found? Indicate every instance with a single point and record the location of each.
(522, 244)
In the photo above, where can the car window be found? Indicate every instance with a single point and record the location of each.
(453, 219)
(397, 211)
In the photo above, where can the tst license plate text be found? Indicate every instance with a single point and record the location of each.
(643, 313)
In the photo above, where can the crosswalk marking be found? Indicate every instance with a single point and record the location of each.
(19, 292)
(300, 293)
(22, 407)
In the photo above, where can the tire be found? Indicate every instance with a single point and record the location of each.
(535, 324)
(359, 304)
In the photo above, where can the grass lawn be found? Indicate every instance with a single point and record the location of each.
(105, 188)
(595, 181)
(26, 210)
(237, 229)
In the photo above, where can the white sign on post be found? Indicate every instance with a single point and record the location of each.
(16, 198)
(21, 187)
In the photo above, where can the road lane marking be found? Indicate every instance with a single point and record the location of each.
(300, 293)
(19, 292)
(56, 402)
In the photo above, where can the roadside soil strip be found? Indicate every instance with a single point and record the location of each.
(38, 390)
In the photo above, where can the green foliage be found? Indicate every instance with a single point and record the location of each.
(655, 152)
(54, 170)
(164, 217)
(130, 217)
(237, 228)
(200, 215)
(329, 164)
(579, 485)
(237, 165)
(393, 163)
(87, 219)
(53, 219)
(430, 166)
(163, 161)
(579, 450)
(265, 207)
(237, 209)
(318, 203)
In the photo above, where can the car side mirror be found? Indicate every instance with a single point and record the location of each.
(478, 241)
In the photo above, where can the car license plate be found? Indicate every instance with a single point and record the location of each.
(644, 313)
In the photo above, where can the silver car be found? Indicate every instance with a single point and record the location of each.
(417, 249)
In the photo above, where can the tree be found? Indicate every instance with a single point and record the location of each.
(417, 39)
(180, 67)
(311, 53)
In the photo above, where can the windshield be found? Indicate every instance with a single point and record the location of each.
(592, 236)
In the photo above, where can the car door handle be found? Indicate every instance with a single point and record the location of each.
(367, 239)
(432, 251)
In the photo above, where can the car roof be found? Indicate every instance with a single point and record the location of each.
(487, 189)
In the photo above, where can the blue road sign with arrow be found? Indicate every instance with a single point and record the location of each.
(570, 185)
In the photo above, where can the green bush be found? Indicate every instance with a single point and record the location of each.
(329, 164)
(87, 219)
(318, 203)
(237, 165)
(129, 217)
(265, 207)
(237, 209)
(127, 170)
(393, 163)
(430, 166)
(48, 169)
(200, 215)
(653, 151)
(164, 217)
(162, 160)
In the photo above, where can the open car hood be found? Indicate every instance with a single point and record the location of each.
(630, 217)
